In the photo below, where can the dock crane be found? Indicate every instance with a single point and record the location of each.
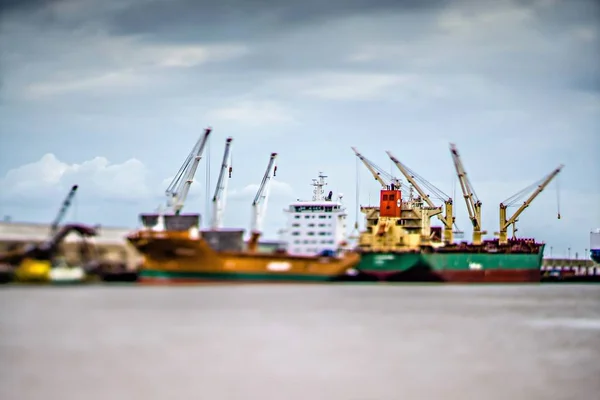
(218, 201)
(386, 180)
(473, 203)
(63, 210)
(180, 186)
(505, 223)
(259, 205)
(448, 217)
(34, 261)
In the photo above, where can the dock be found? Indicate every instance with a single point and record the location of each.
(571, 266)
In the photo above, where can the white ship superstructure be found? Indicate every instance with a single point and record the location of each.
(316, 226)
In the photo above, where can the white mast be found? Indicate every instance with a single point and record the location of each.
(180, 186)
(218, 201)
(259, 205)
(319, 184)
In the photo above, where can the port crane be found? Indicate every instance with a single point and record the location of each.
(218, 200)
(504, 222)
(63, 210)
(433, 210)
(471, 199)
(180, 186)
(386, 180)
(33, 255)
(259, 205)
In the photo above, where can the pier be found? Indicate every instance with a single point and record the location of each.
(571, 266)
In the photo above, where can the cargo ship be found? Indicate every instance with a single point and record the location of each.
(175, 249)
(399, 244)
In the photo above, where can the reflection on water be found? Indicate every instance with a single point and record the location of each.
(301, 342)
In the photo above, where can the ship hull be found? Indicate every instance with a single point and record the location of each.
(150, 276)
(174, 258)
(453, 267)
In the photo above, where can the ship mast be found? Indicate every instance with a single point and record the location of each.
(505, 223)
(180, 186)
(259, 205)
(473, 203)
(319, 184)
(218, 200)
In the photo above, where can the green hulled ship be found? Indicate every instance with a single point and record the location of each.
(454, 266)
(399, 244)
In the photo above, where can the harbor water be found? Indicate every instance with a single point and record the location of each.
(346, 342)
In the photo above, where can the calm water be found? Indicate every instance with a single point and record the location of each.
(358, 342)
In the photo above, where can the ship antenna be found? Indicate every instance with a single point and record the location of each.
(319, 184)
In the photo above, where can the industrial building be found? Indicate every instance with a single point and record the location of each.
(109, 244)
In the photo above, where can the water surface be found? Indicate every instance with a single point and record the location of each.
(346, 342)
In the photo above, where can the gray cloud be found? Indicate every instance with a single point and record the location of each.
(513, 82)
(17, 6)
(238, 19)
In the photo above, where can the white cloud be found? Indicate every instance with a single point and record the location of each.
(190, 56)
(344, 86)
(120, 79)
(253, 113)
(490, 21)
(96, 177)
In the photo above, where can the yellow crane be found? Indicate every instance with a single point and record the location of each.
(504, 222)
(386, 180)
(448, 217)
(473, 203)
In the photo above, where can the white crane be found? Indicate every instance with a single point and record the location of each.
(218, 201)
(259, 205)
(180, 186)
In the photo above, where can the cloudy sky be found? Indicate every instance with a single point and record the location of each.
(113, 94)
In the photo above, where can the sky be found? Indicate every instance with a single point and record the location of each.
(113, 94)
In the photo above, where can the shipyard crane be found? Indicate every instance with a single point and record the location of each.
(180, 186)
(386, 180)
(259, 205)
(218, 201)
(448, 217)
(44, 252)
(473, 203)
(505, 223)
(63, 210)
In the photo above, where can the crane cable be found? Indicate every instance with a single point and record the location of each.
(207, 197)
(557, 197)
(357, 194)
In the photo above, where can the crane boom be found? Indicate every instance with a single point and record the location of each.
(180, 186)
(504, 222)
(63, 209)
(259, 205)
(448, 218)
(473, 203)
(218, 201)
(385, 180)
